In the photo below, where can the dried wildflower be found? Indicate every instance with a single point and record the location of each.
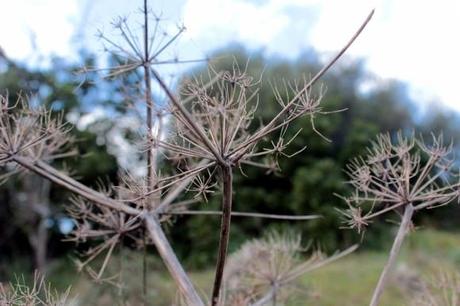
(31, 132)
(39, 293)
(106, 226)
(442, 290)
(266, 269)
(202, 187)
(210, 125)
(401, 175)
(406, 172)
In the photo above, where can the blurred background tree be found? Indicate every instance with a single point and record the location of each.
(32, 219)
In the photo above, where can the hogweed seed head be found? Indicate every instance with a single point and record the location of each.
(399, 172)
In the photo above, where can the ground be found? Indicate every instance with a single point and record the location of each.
(349, 281)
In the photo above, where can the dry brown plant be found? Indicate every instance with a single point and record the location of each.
(209, 139)
(264, 271)
(39, 293)
(402, 175)
(441, 290)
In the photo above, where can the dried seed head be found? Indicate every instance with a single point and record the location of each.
(397, 173)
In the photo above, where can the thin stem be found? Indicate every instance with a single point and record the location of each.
(244, 214)
(403, 229)
(144, 266)
(170, 260)
(151, 148)
(227, 180)
(149, 104)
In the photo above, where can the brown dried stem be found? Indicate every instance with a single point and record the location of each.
(403, 229)
(171, 261)
(227, 180)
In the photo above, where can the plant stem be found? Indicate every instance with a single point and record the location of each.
(149, 105)
(170, 260)
(144, 266)
(227, 180)
(402, 231)
(151, 152)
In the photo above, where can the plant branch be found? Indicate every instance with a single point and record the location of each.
(266, 298)
(244, 214)
(403, 228)
(172, 263)
(227, 180)
(269, 127)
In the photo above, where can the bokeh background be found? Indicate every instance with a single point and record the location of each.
(401, 74)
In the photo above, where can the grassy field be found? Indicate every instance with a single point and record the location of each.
(348, 282)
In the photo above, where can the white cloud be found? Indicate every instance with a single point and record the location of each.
(415, 41)
(48, 22)
(255, 24)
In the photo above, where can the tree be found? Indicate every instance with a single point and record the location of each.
(31, 199)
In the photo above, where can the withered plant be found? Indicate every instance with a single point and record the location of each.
(39, 293)
(441, 290)
(264, 271)
(402, 175)
(209, 138)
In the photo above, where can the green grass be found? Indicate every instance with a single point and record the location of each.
(349, 281)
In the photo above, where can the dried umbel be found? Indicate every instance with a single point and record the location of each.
(39, 293)
(104, 226)
(400, 173)
(442, 290)
(265, 271)
(403, 175)
(31, 132)
(211, 138)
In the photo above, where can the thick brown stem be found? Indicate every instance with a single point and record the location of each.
(227, 179)
(403, 229)
(172, 263)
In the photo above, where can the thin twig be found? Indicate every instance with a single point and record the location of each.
(245, 214)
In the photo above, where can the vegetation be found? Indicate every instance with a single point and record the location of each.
(208, 137)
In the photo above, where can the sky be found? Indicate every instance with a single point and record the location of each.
(416, 41)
